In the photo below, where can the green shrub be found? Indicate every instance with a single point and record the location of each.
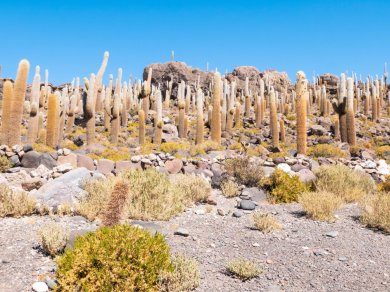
(325, 150)
(15, 204)
(184, 277)
(348, 184)
(376, 211)
(283, 188)
(245, 170)
(5, 164)
(121, 258)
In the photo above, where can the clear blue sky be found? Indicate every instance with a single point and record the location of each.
(69, 37)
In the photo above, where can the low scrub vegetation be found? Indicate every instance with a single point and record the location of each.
(245, 170)
(229, 188)
(152, 196)
(325, 150)
(15, 203)
(5, 164)
(350, 185)
(119, 258)
(321, 205)
(283, 187)
(265, 222)
(53, 238)
(184, 277)
(376, 211)
(243, 269)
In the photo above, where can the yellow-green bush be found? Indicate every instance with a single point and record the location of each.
(53, 238)
(15, 204)
(320, 206)
(383, 151)
(121, 258)
(283, 188)
(152, 196)
(376, 211)
(325, 150)
(348, 184)
(184, 277)
(173, 147)
(205, 147)
(385, 186)
(229, 188)
(245, 170)
(5, 164)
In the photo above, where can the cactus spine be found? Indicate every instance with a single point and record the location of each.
(6, 113)
(273, 119)
(216, 114)
(19, 92)
(301, 107)
(351, 132)
(52, 121)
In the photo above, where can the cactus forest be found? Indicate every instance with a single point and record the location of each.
(189, 177)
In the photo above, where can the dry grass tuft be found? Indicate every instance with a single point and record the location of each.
(184, 277)
(376, 211)
(245, 170)
(325, 150)
(15, 204)
(344, 182)
(229, 188)
(195, 188)
(265, 222)
(320, 206)
(53, 238)
(243, 269)
(114, 210)
(5, 164)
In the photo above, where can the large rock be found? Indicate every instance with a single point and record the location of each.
(174, 166)
(31, 159)
(105, 166)
(85, 161)
(71, 159)
(65, 189)
(176, 72)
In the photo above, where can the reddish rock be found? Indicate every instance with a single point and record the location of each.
(71, 158)
(85, 161)
(174, 166)
(105, 166)
(31, 184)
(126, 164)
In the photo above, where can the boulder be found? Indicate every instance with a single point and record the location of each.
(105, 166)
(71, 159)
(174, 166)
(65, 189)
(85, 161)
(306, 175)
(31, 159)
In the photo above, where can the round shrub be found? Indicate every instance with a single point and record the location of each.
(283, 188)
(121, 258)
(245, 170)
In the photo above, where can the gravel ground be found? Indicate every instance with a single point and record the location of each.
(300, 257)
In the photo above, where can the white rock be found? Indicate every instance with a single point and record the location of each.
(66, 151)
(40, 287)
(136, 158)
(284, 166)
(62, 168)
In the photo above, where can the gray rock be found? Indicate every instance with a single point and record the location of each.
(306, 175)
(14, 159)
(182, 232)
(332, 234)
(27, 148)
(47, 160)
(317, 130)
(247, 205)
(153, 228)
(254, 194)
(65, 189)
(268, 171)
(237, 214)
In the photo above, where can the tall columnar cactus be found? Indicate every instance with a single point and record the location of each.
(146, 91)
(6, 126)
(19, 92)
(273, 119)
(32, 133)
(159, 121)
(188, 99)
(98, 82)
(282, 131)
(199, 118)
(107, 104)
(259, 105)
(71, 112)
(351, 132)
(323, 101)
(247, 99)
(89, 112)
(374, 103)
(52, 121)
(141, 120)
(340, 108)
(115, 119)
(124, 109)
(181, 130)
(301, 107)
(216, 119)
(64, 105)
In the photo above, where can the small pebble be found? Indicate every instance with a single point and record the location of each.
(40, 287)
(182, 232)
